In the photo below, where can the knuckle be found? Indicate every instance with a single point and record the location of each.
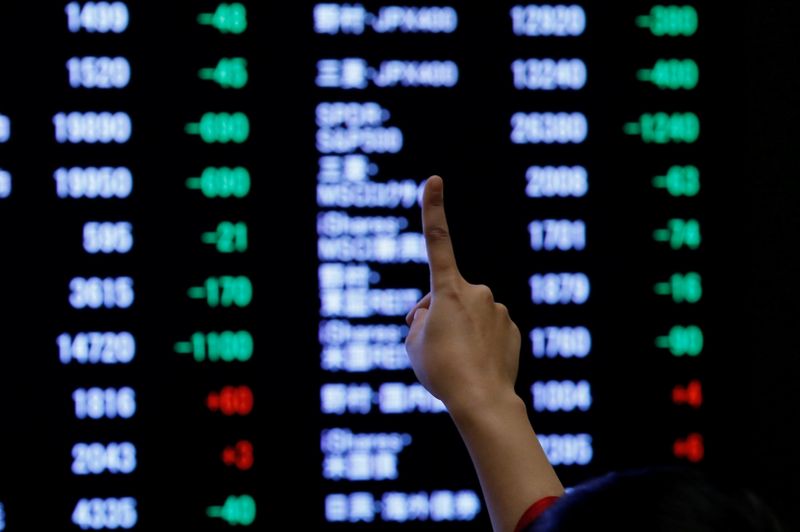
(484, 291)
(437, 233)
(449, 292)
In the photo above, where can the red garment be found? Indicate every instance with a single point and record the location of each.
(531, 514)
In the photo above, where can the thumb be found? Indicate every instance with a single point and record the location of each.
(417, 321)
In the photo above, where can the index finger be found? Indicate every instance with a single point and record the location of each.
(441, 258)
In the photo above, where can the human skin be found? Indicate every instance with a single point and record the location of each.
(464, 349)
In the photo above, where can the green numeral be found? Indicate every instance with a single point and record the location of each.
(221, 127)
(680, 181)
(228, 237)
(663, 128)
(224, 291)
(673, 74)
(225, 346)
(684, 288)
(221, 182)
(230, 73)
(670, 21)
(682, 341)
(228, 18)
(680, 234)
(239, 510)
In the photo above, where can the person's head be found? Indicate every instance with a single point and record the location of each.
(657, 500)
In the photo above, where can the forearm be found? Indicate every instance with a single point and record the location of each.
(512, 467)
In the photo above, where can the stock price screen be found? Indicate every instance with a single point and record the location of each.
(211, 236)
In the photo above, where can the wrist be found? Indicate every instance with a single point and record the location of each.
(477, 407)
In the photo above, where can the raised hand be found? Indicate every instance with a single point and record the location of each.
(464, 349)
(463, 346)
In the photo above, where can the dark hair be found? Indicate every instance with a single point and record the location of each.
(658, 500)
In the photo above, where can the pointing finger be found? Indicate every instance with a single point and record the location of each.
(441, 258)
